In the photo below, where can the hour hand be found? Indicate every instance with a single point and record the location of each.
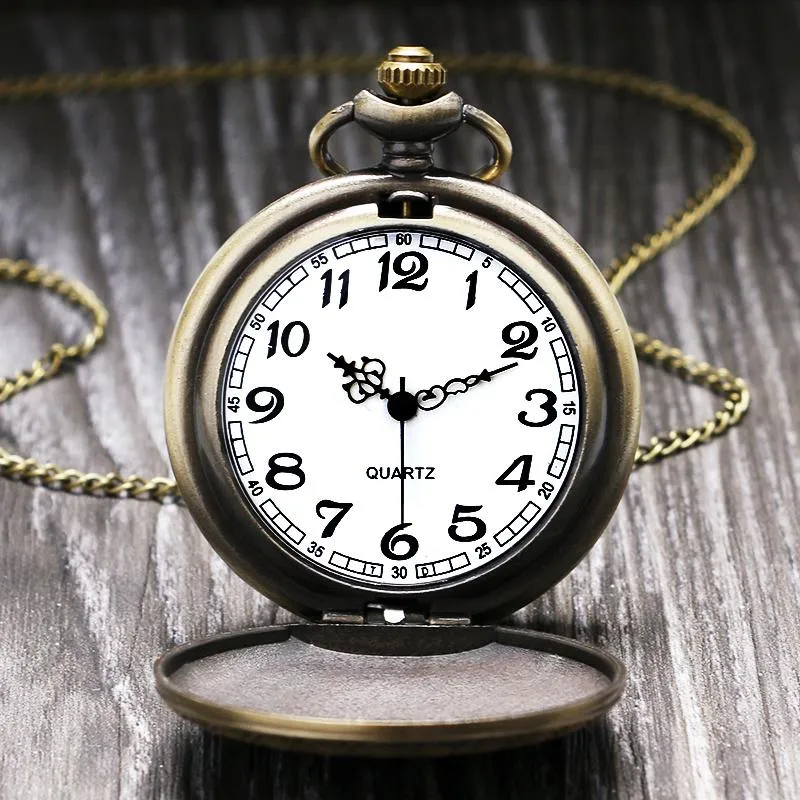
(428, 399)
(364, 380)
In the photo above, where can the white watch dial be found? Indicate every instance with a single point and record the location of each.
(401, 407)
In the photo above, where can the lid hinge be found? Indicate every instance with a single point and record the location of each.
(386, 615)
(343, 617)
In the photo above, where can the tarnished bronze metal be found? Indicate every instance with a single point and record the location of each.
(236, 705)
(519, 233)
(410, 120)
(411, 73)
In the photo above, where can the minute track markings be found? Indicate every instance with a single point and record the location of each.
(455, 299)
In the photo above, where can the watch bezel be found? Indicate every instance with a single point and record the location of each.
(603, 351)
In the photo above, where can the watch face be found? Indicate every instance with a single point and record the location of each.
(401, 407)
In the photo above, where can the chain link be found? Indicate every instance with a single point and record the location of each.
(716, 379)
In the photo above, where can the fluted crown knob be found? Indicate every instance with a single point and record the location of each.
(411, 73)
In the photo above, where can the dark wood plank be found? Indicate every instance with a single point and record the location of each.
(696, 583)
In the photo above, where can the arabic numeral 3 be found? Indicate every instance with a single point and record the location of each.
(548, 405)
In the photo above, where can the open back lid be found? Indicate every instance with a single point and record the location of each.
(382, 690)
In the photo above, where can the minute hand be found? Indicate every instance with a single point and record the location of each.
(428, 399)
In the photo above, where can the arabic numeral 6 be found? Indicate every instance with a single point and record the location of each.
(398, 545)
(315, 550)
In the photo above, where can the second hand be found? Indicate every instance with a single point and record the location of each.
(402, 462)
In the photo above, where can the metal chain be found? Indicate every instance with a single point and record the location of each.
(717, 380)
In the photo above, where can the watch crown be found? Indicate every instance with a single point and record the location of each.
(410, 73)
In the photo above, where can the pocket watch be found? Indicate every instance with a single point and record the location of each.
(401, 402)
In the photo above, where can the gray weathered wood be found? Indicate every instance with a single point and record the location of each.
(695, 585)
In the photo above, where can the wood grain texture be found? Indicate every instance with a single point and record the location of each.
(695, 585)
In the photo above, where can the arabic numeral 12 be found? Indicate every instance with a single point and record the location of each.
(410, 267)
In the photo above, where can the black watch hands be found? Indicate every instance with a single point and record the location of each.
(428, 399)
(366, 380)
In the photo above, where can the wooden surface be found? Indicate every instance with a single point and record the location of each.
(696, 583)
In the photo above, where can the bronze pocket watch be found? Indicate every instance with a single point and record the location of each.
(402, 403)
